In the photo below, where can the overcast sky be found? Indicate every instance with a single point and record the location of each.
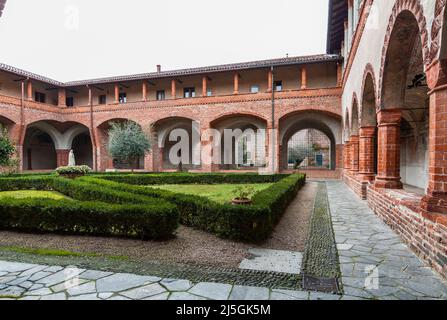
(81, 39)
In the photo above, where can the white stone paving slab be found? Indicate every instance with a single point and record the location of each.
(273, 260)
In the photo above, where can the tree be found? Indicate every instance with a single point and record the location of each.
(299, 153)
(128, 142)
(7, 148)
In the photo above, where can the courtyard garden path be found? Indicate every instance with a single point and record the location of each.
(375, 263)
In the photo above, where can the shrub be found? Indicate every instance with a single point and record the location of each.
(93, 218)
(7, 148)
(118, 213)
(190, 178)
(73, 170)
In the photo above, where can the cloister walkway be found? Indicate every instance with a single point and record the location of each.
(374, 262)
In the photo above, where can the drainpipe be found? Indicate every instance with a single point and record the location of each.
(92, 131)
(273, 120)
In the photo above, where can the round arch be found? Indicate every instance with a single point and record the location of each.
(293, 123)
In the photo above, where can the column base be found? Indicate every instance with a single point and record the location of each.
(366, 177)
(434, 203)
(388, 183)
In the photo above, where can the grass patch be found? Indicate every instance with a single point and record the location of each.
(61, 253)
(220, 193)
(35, 194)
(48, 252)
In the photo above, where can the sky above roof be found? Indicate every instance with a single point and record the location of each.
(81, 39)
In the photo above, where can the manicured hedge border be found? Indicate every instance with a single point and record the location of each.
(246, 223)
(118, 213)
(190, 178)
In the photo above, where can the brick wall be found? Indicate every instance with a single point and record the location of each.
(425, 234)
(359, 187)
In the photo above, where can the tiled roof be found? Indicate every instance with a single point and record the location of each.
(2, 6)
(338, 13)
(180, 72)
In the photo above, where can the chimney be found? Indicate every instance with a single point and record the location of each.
(158, 68)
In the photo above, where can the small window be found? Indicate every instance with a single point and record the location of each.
(209, 92)
(102, 99)
(254, 89)
(40, 97)
(69, 101)
(189, 92)
(161, 95)
(278, 85)
(122, 97)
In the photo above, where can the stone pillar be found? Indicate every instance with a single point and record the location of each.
(303, 78)
(173, 89)
(354, 154)
(29, 90)
(204, 86)
(366, 153)
(388, 175)
(270, 81)
(236, 83)
(144, 90)
(436, 198)
(62, 98)
(62, 157)
(117, 93)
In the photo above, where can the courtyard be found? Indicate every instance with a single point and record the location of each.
(324, 233)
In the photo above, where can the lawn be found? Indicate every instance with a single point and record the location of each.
(22, 194)
(221, 193)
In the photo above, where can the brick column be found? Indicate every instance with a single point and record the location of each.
(347, 156)
(388, 175)
(62, 98)
(62, 157)
(173, 89)
(144, 90)
(366, 153)
(339, 156)
(354, 154)
(339, 74)
(303, 78)
(436, 198)
(117, 93)
(29, 90)
(204, 86)
(270, 81)
(236, 83)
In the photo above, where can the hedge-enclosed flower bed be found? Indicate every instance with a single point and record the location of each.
(246, 223)
(94, 211)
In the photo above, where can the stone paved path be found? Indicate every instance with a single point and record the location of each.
(38, 282)
(374, 261)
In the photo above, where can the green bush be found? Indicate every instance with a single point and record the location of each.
(73, 170)
(93, 218)
(246, 223)
(117, 213)
(190, 178)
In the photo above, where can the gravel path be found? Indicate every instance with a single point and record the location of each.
(190, 246)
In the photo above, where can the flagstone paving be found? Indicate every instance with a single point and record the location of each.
(374, 262)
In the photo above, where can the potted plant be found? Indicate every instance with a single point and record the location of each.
(243, 195)
(73, 172)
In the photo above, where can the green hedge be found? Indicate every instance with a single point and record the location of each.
(246, 223)
(96, 211)
(93, 218)
(190, 178)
